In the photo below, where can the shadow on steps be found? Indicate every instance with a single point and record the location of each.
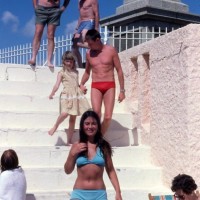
(117, 135)
(30, 197)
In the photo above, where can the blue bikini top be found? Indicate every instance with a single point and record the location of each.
(98, 159)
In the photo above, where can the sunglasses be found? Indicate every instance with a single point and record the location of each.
(179, 197)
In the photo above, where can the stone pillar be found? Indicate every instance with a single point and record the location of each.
(171, 5)
(144, 88)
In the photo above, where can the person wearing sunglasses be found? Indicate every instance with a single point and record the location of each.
(184, 187)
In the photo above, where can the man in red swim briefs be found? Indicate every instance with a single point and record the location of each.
(102, 60)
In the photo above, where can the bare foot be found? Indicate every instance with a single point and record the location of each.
(50, 65)
(51, 131)
(69, 144)
(32, 64)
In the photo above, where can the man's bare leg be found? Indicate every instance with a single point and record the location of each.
(76, 52)
(50, 35)
(39, 28)
(72, 120)
(96, 101)
(109, 101)
(83, 44)
(59, 120)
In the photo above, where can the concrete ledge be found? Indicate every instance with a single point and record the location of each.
(127, 194)
(55, 156)
(32, 119)
(26, 103)
(60, 181)
(39, 137)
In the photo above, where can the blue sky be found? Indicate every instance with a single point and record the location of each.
(17, 19)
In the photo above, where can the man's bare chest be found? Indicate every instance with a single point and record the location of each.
(101, 59)
(85, 5)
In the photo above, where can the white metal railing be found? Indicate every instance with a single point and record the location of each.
(122, 38)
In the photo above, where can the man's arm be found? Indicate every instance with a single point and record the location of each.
(65, 3)
(34, 3)
(113, 177)
(95, 7)
(120, 74)
(86, 74)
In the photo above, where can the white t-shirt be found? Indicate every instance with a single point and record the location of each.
(13, 185)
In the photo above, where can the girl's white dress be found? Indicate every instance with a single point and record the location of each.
(72, 99)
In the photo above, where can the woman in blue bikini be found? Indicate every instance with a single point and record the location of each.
(91, 154)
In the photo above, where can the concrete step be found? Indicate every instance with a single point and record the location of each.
(41, 89)
(25, 73)
(50, 178)
(55, 156)
(15, 76)
(41, 103)
(28, 94)
(39, 137)
(31, 119)
(3, 71)
(127, 194)
(26, 115)
(50, 195)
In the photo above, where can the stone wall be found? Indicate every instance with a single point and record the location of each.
(162, 80)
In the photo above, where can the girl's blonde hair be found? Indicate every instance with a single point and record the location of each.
(68, 55)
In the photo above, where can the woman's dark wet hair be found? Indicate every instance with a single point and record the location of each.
(9, 160)
(92, 34)
(183, 182)
(98, 139)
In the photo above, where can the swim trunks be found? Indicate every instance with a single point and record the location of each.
(78, 194)
(88, 25)
(47, 15)
(103, 87)
(97, 160)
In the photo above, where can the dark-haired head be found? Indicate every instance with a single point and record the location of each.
(9, 160)
(92, 34)
(83, 136)
(185, 183)
(98, 138)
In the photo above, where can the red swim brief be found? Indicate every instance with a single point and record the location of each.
(103, 87)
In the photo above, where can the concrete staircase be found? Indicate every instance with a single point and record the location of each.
(26, 114)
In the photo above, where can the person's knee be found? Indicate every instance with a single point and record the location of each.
(64, 114)
(50, 37)
(38, 35)
(107, 117)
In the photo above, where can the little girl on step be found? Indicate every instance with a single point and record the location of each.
(72, 99)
